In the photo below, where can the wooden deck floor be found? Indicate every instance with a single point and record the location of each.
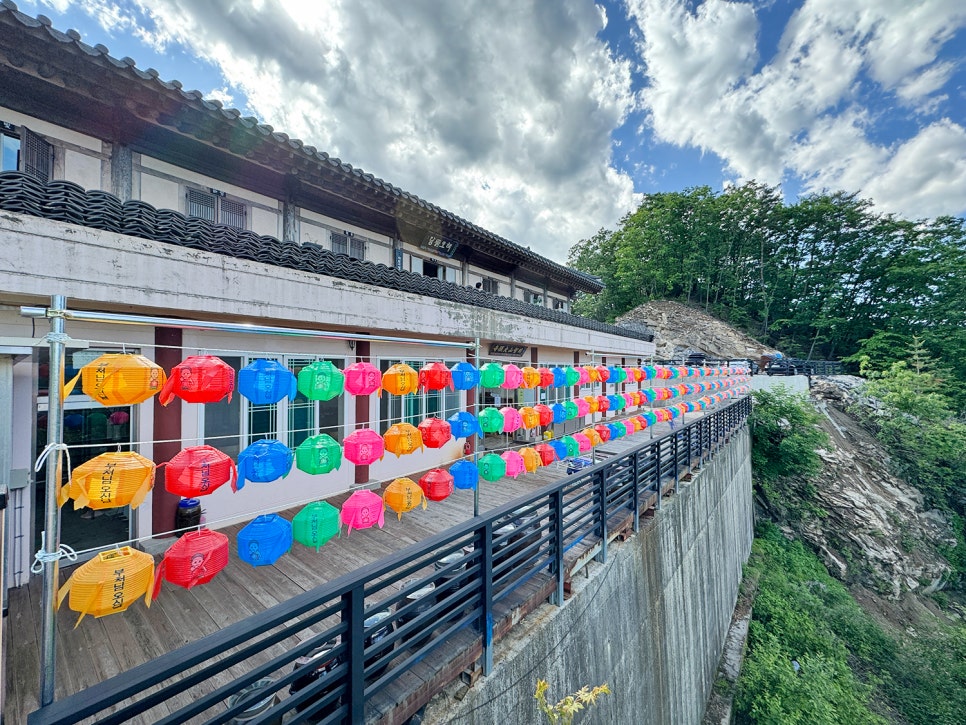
(101, 648)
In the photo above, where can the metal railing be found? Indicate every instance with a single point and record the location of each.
(343, 651)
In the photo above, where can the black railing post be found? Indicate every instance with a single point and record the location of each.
(657, 475)
(485, 542)
(602, 502)
(353, 615)
(557, 541)
(677, 463)
(636, 489)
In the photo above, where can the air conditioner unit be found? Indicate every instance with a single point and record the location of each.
(522, 435)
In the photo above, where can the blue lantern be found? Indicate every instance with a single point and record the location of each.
(264, 540)
(264, 461)
(266, 381)
(465, 376)
(614, 374)
(559, 377)
(559, 412)
(616, 402)
(559, 447)
(616, 431)
(465, 475)
(464, 424)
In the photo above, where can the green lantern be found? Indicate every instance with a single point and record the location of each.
(573, 447)
(621, 375)
(491, 420)
(571, 375)
(318, 454)
(572, 410)
(321, 381)
(492, 375)
(492, 467)
(315, 524)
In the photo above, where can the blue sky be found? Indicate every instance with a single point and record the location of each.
(545, 121)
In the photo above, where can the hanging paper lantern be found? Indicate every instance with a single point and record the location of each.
(573, 446)
(559, 412)
(531, 459)
(465, 475)
(266, 381)
(119, 379)
(492, 375)
(436, 433)
(603, 373)
(559, 377)
(363, 447)
(585, 376)
(514, 463)
(573, 410)
(403, 495)
(593, 405)
(110, 480)
(603, 404)
(531, 377)
(530, 417)
(403, 439)
(315, 524)
(618, 375)
(491, 420)
(264, 540)
(546, 377)
(512, 377)
(603, 431)
(663, 373)
(571, 375)
(512, 420)
(649, 372)
(491, 467)
(109, 583)
(199, 379)
(651, 418)
(318, 454)
(198, 471)
(321, 380)
(628, 399)
(463, 424)
(592, 435)
(363, 510)
(400, 379)
(583, 407)
(435, 376)
(547, 452)
(544, 414)
(630, 427)
(615, 431)
(560, 448)
(362, 378)
(637, 375)
(583, 442)
(263, 461)
(193, 559)
(465, 376)
(437, 484)
(614, 402)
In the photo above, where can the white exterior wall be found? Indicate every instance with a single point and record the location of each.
(83, 169)
(314, 229)
(51, 132)
(266, 223)
(161, 193)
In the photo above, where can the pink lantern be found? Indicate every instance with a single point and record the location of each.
(436, 433)
(363, 378)
(583, 407)
(363, 447)
(585, 376)
(437, 484)
(629, 426)
(583, 442)
(628, 398)
(435, 376)
(514, 463)
(512, 377)
(511, 419)
(362, 510)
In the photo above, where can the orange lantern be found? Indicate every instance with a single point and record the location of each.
(593, 403)
(436, 433)
(529, 417)
(435, 376)
(531, 459)
(193, 559)
(199, 471)
(402, 439)
(400, 379)
(110, 480)
(109, 583)
(403, 495)
(593, 374)
(531, 377)
(119, 379)
(437, 484)
(592, 435)
(199, 379)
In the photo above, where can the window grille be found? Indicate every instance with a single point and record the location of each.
(202, 205)
(232, 213)
(340, 242)
(357, 247)
(214, 208)
(491, 285)
(37, 156)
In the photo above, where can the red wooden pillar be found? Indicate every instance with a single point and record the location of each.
(167, 427)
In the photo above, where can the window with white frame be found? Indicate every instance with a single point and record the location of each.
(348, 243)
(22, 150)
(214, 206)
(534, 298)
(491, 285)
(416, 407)
(431, 268)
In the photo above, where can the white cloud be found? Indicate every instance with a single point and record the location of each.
(801, 112)
(499, 111)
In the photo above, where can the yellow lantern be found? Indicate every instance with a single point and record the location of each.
(402, 439)
(110, 480)
(109, 583)
(531, 459)
(400, 379)
(119, 379)
(403, 495)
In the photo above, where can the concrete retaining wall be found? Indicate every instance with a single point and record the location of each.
(651, 622)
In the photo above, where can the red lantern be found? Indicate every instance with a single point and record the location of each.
(193, 559)
(546, 452)
(545, 412)
(603, 403)
(436, 433)
(546, 377)
(363, 447)
(603, 372)
(603, 431)
(363, 378)
(435, 376)
(437, 484)
(199, 379)
(199, 471)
